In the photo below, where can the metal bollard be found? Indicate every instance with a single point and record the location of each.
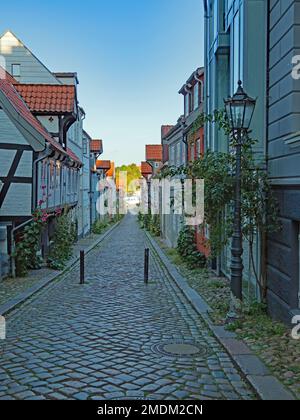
(82, 267)
(146, 266)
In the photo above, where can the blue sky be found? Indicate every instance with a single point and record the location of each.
(132, 56)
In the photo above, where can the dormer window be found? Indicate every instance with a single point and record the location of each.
(188, 104)
(16, 70)
(196, 96)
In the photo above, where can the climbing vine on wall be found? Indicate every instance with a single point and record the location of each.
(27, 247)
(259, 207)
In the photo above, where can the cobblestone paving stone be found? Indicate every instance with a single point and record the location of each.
(97, 341)
(10, 287)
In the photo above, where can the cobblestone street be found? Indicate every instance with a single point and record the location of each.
(105, 340)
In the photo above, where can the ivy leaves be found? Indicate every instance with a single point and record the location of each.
(187, 249)
(259, 207)
(64, 238)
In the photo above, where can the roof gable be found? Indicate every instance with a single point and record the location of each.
(96, 146)
(18, 111)
(146, 169)
(14, 51)
(154, 153)
(103, 164)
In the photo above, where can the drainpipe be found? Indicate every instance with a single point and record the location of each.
(184, 139)
(48, 152)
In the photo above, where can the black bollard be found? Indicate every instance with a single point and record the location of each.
(146, 266)
(81, 267)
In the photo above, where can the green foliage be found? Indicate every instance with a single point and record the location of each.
(144, 221)
(99, 226)
(133, 174)
(27, 247)
(187, 249)
(61, 250)
(150, 223)
(253, 315)
(216, 170)
(155, 225)
(259, 207)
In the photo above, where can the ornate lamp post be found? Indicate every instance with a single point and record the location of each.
(240, 109)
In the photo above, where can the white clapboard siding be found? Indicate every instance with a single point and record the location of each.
(8, 132)
(25, 168)
(32, 70)
(6, 160)
(17, 201)
(50, 123)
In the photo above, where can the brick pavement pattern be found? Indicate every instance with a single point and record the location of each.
(101, 340)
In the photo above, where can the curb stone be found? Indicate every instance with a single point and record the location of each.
(12, 304)
(253, 369)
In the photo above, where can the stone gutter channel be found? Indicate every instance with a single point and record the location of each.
(254, 371)
(13, 304)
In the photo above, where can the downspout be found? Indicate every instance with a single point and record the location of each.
(48, 152)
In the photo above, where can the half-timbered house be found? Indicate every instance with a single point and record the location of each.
(36, 168)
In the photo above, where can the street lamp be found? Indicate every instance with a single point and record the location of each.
(240, 109)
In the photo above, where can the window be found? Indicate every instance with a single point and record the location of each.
(196, 96)
(192, 152)
(236, 56)
(216, 18)
(172, 154)
(16, 70)
(85, 146)
(178, 154)
(198, 143)
(187, 104)
(201, 93)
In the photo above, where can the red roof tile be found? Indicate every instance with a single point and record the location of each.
(96, 146)
(48, 98)
(104, 164)
(154, 153)
(146, 169)
(22, 109)
(165, 129)
(111, 171)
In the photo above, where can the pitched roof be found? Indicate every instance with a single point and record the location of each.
(96, 146)
(154, 153)
(23, 111)
(165, 129)
(192, 80)
(9, 40)
(6, 76)
(111, 171)
(66, 75)
(48, 98)
(21, 108)
(146, 169)
(104, 164)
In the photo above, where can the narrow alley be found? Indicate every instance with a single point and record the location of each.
(113, 337)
